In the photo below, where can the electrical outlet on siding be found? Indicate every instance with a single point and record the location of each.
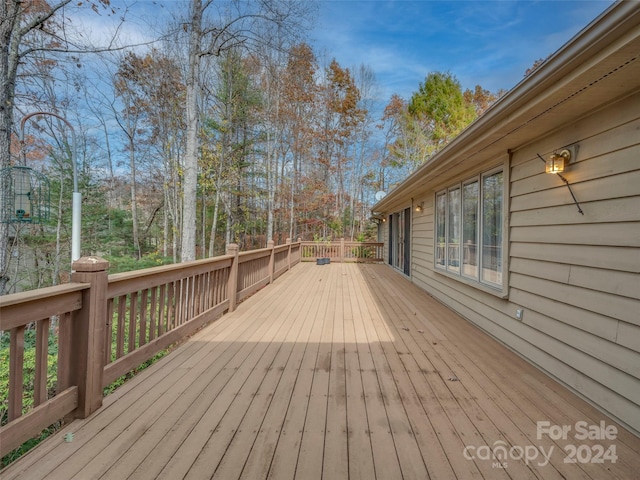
(519, 313)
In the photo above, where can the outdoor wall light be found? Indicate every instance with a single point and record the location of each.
(557, 161)
(377, 218)
(420, 207)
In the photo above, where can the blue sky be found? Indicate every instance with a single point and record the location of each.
(490, 43)
(481, 42)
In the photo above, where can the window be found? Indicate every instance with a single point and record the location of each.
(453, 229)
(468, 226)
(441, 228)
(492, 228)
(470, 232)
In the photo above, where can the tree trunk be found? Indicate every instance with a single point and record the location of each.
(134, 195)
(8, 69)
(292, 217)
(271, 188)
(190, 184)
(165, 224)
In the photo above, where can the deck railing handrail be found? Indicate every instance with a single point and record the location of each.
(141, 312)
(342, 251)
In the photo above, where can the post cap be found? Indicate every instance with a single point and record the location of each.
(90, 264)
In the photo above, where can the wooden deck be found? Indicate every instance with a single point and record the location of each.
(341, 371)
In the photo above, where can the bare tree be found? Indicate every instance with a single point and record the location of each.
(237, 23)
(26, 27)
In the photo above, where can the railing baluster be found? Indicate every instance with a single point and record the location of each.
(122, 308)
(197, 292)
(42, 357)
(194, 307)
(16, 366)
(162, 305)
(170, 306)
(184, 288)
(64, 352)
(217, 280)
(188, 299)
(201, 292)
(176, 292)
(133, 310)
(208, 292)
(153, 317)
(142, 337)
(108, 339)
(184, 299)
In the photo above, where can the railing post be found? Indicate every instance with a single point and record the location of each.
(342, 250)
(272, 259)
(289, 254)
(232, 286)
(88, 331)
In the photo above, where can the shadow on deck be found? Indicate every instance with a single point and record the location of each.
(337, 371)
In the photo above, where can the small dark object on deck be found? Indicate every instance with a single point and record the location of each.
(405, 328)
(323, 261)
(453, 379)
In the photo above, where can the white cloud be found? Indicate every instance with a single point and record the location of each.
(486, 43)
(140, 23)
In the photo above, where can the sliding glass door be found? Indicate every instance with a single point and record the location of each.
(399, 240)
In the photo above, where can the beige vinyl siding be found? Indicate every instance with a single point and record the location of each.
(609, 258)
(385, 239)
(576, 277)
(422, 235)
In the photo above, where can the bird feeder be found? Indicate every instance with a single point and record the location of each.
(24, 196)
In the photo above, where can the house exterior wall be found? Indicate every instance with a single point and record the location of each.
(384, 235)
(576, 278)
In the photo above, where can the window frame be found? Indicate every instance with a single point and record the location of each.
(441, 265)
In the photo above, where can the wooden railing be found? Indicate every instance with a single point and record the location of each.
(108, 325)
(342, 251)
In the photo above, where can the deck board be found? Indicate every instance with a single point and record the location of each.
(340, 371)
